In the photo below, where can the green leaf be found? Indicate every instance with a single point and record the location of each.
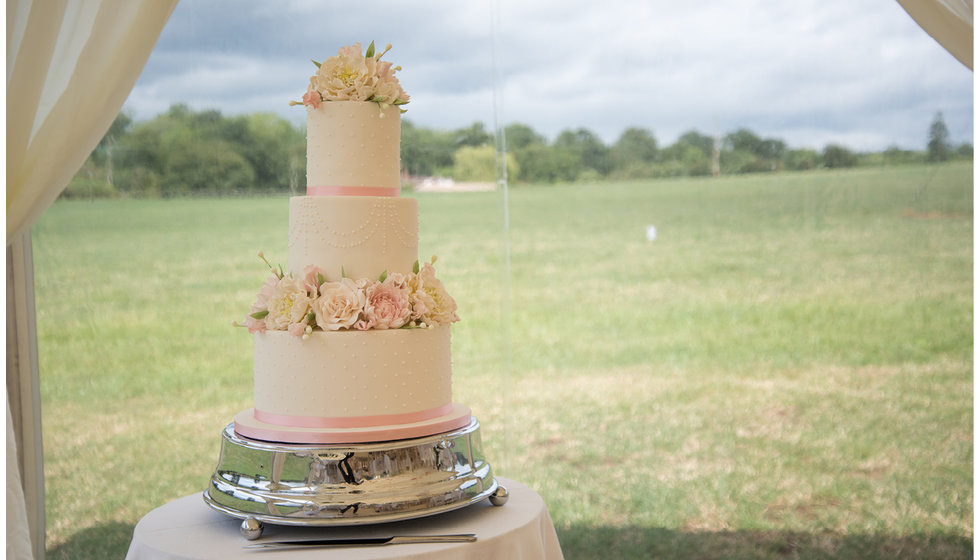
(310, 318)
(343, 274)
(415, 267)
(315, 62)
(260, 314)
(370, 51)
(320, 279)
(383, 276)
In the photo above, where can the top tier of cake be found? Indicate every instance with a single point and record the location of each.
(352, 148)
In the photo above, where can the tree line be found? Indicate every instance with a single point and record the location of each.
(184, 152)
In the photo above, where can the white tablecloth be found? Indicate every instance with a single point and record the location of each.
(520, 529)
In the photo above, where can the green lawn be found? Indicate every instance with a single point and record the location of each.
(785, 372)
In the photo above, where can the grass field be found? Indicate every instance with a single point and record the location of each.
(785, 372)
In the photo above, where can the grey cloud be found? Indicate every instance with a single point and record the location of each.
(808, 71)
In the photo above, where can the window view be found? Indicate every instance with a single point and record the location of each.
(707, 270)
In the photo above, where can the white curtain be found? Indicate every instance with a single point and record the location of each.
(70, 67)
(949, 22)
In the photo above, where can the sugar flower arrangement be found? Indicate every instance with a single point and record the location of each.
(352, 76)
(393, 301)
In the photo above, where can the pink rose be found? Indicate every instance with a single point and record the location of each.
(297, 329)
(311, 277)
(265, 294)
(387, 303)
(261, 305)
(254, 325)
(312, 97)
(339, 305)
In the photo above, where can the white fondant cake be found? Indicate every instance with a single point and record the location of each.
(364, 235)
(352, 341)
(353, 377)
(353, 144)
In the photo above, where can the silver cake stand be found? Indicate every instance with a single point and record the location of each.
(349, 484)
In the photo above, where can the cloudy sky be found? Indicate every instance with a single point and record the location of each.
(809, 72)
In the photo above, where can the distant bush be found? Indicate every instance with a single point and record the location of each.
(836, 156)
(184, 152)
(479, 164)
(801, 160)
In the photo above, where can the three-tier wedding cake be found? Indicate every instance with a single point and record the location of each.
(352, 340)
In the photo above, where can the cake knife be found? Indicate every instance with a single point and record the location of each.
(364, 541)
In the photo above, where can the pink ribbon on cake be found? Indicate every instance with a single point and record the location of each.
(340, 190)
(351, 421)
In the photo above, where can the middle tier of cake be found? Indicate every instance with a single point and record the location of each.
(352, 386)
(353, 236)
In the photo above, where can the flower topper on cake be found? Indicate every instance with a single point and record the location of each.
(393, 301)
(352, 76)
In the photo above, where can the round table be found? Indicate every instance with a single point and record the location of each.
(188, 529)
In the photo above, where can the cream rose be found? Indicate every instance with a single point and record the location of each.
(431, 303)
(352, 76)
(288, 304)
(349, 76)
(339, 305)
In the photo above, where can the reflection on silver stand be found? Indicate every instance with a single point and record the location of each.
(349, 484)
